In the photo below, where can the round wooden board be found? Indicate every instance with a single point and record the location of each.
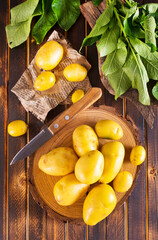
(41, 184)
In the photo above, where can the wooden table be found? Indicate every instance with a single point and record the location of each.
(20, 217)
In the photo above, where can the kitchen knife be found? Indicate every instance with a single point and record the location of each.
(90, 97)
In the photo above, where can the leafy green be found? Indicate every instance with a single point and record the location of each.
(151, 68)
(133, 30)
(137, 73)
(66, 12)
(45, 23)
(151, 7)
(119, 82)
(108, 41)
(115, 60)
(150, 37)
(155, 91)
(96, 2)
(23, 11)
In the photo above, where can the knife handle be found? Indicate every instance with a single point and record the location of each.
(90, 97)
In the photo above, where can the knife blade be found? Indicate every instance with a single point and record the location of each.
(90, 97)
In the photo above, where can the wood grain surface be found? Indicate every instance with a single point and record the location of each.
(21, 218)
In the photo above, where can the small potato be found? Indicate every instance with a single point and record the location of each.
(113, 153)
(108, 129)
(137, 155)
(75, 72)
(123, 181)
(77, 95)
(44, 81)
(49, 55)
(68, 190)
(58, 162)
(17, 128)
(84, 140)
(89, 167)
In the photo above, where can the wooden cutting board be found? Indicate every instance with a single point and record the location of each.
(41, 184)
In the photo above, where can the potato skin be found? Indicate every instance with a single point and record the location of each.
(44, 81)
(49, 55)
(99, 203)
(113, 153)
(108, 129)
(89, 167)
(17, 128)
(137, 155)
(58, 162)
(84, 140)
(68, 190)
(75, 72)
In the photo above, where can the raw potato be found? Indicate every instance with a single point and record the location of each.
(17, 128)
(123, 181)
(84, 140)
(68, 190)
(89, 167)
(113, 153)
(58, 162)
(137, 155)
(44, 81)
(75, 72)
(99, 203)
(77, 95)
(49, 55)
(108, 129)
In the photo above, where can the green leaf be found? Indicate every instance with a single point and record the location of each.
(67, 12)
(96, 2)
(151, 68)
(151, 7)
(45, 23)
(23, 11)
(105, 17)
(133, 30)
(120, 82)
(108, 41)
(137, 73)
(115, 60)
(18, 33)
(155, 91)
(149, 27)
(144, 50)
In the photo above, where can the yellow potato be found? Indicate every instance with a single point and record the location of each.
(84, 140)
(75, 72)
(77, 95)
(44, 81)
(17, 128)
(123, 181)
(68, 190)
(89, 167)
(99, 203)
(137, 155)
(49, 55)
(58, 162)
(113, 153)
(108, 129)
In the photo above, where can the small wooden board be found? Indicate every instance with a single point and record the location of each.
(41, 184)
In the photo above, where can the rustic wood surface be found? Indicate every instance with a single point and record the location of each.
(20, 217)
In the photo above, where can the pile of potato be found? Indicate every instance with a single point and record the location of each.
(85, 165)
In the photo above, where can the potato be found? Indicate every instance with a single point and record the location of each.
(89, 167)
(77, 95)
(84, 140)
(75, 72)
(68, 190)
(123, 181)
(99, 203)
(58, 162)
(49, 55)
(137, 155)
(108, 129)
(44, 81)
(113, 153)
(17, 128)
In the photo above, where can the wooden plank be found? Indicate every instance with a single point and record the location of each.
(136, 202)
(152, 178)
(4, 19)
